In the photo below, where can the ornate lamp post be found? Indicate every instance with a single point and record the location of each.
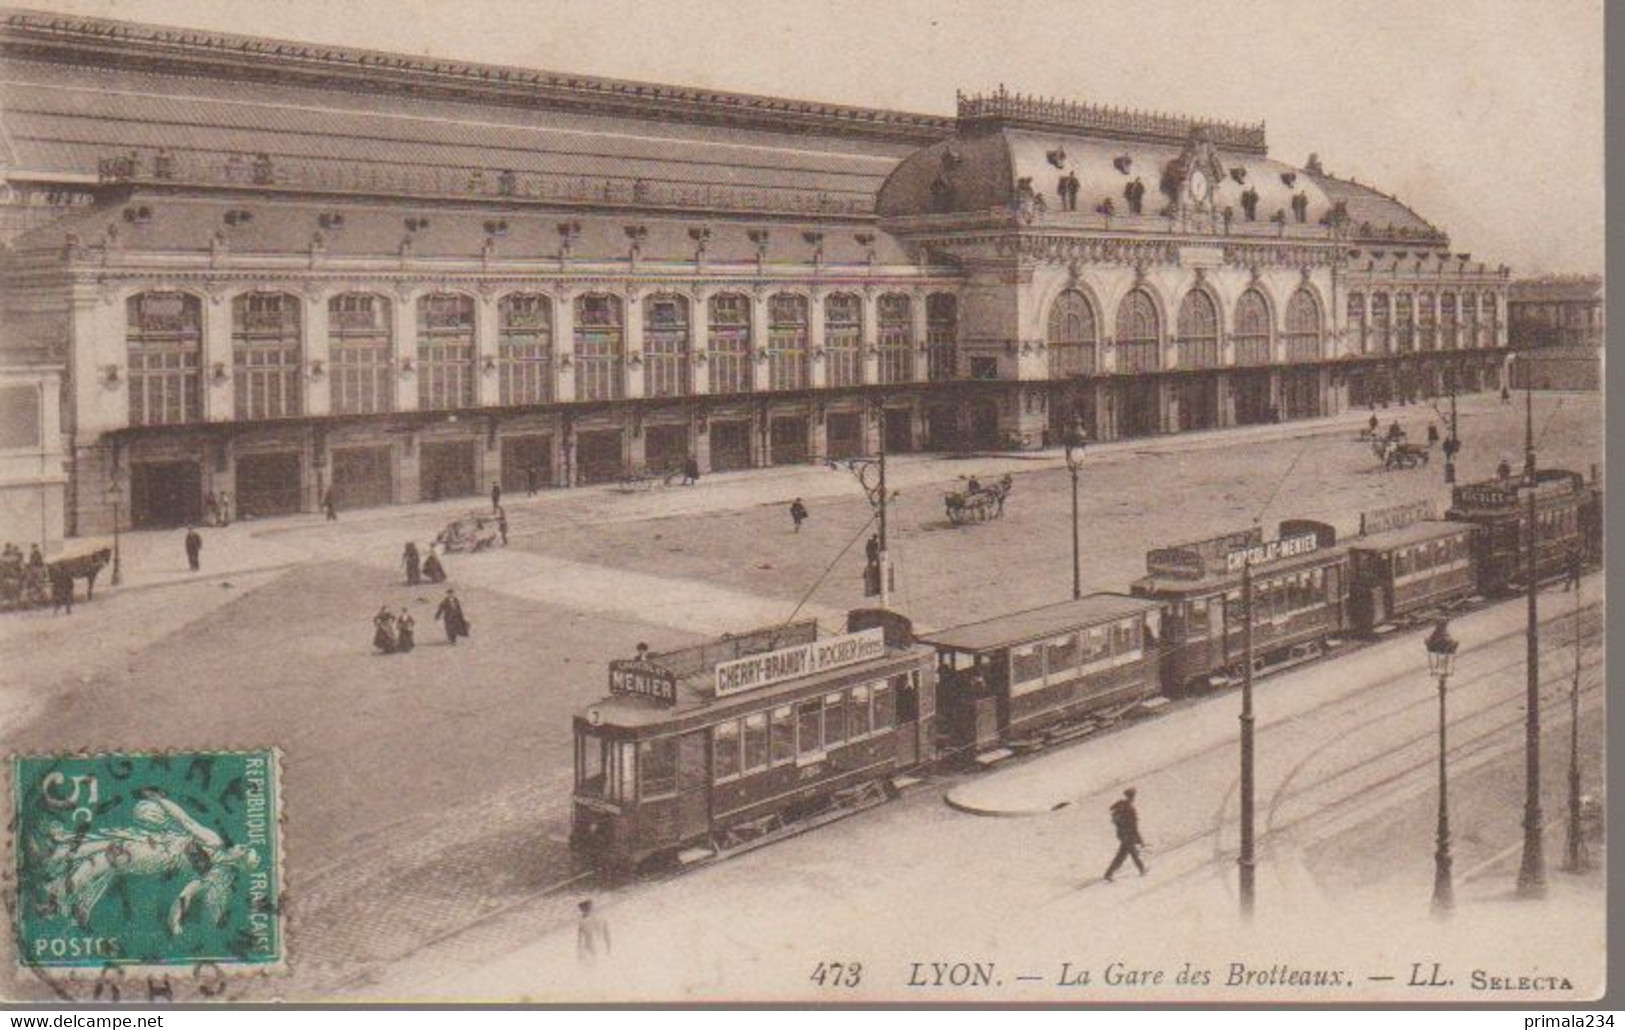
(871, 475)
(1441, 648)
(1076, 441)
(115, 493)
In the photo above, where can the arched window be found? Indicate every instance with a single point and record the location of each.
(1404, 328)
(1469, 320)
(1252, 332)
(1447, 321)
(164, 344)
(894, 318)
(446, 351)
(1138, 331)
(843, 339)
(1427, 337)
(730, 344)
(667, 343)
(1357, 327)
(942, 336)
(1072, 336)
(1198, 331)
(1381, 324)
(525, 349)
(361, 346)
(267, 355)
(787, 342)
(600, 347)
(1303, 327)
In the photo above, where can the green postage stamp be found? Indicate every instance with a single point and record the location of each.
(149, 861)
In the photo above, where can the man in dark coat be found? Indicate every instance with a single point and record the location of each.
(502, 526)
(36, 560)
(409, 558)
(798, 513)
(1127, 823)
(1576, 568)
(61, 590)
(496, 497)
(194, 548)
(450, 613)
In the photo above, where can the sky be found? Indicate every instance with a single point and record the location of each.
(1486, 116)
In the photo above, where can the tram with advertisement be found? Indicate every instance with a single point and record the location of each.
(1567, 510)
(727, 745)
(1408, 565)
(1300, 586)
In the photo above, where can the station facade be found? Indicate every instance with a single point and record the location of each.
(282, 271)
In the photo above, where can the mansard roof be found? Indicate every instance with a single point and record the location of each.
(163, 224)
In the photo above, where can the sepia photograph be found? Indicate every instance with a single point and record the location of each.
(935, 503)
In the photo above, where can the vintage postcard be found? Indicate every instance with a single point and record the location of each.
(932, 503)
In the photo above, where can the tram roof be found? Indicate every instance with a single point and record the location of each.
(1035, 623)
(1415, 533)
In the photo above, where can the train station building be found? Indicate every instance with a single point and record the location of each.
(277, 269)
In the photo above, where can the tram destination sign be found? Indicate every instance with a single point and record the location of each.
(761, 670)
(1286, 547)
(643, 679)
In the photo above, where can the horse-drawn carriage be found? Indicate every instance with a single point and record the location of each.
(1397, 454)
(29, 586)
(977, 503)
(475, 531)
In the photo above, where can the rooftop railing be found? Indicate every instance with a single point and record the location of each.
(1071, 114)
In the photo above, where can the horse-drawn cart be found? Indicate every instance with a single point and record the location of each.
(1396, 454)
(29, 586)
(475, 531)
(977, 503)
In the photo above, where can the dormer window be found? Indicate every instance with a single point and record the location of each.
(416, 224)
(139, 215)
(330, 220)
(239, 216)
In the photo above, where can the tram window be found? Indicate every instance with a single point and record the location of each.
(834, 720)
(1317, 585)
(657, 767)
(810, 727)
(725, 750)
(1125, 637)
(1098, 645)
(1402, 563)
(589, 762)
(885, 705)
(1232, 608)
(755, 742)
(1061, 655)
(1196, 623)
(784, 734)
(1026, 664)
(858, 712)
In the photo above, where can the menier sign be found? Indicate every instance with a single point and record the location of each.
(1286, 547)
(643, 679)
(761, 670)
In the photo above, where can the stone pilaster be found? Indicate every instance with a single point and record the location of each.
(405, 303)
(487, 327)
(634, 355)
(218, 397)
(317, 353)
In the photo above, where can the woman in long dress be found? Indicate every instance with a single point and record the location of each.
(409, 558)
(383, 631)
(404, 624)
(433, 571)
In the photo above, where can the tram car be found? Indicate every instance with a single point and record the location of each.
(1030, 675)
(1406, 564)
(1500, 508)
(1300, 584)
(736, 742)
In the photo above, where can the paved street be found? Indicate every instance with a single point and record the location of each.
(427, 794)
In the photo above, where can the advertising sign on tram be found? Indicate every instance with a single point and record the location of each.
(643, 679)
(1397, 517)
(761, 670)
(1286, 547)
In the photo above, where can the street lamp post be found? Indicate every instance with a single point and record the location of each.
(1245, 861)
(1441, 650)
(868, 471)
(115, 492)
(1532, 870)
(1577, 860)
(1075, 443)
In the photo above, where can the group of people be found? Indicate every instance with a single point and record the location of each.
(11, 557)
(217, 508)
(23, 580)
(419, 569)
(395, 633)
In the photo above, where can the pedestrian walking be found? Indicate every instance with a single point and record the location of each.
(1373, 423)
(433, 571)
(329, 507)
(61, 591)
(450, 613)
(798, 513)
(502, 526)
(592, 935)
(225, 507)
(530, 480)
(36, 560)
(1126, 821)
(383, 631)
(405, 627)
(194, 548)
(496, 497)
(1576, 568)
(691, 471)
(871, 550)
(409, 559)
(1506, 395)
